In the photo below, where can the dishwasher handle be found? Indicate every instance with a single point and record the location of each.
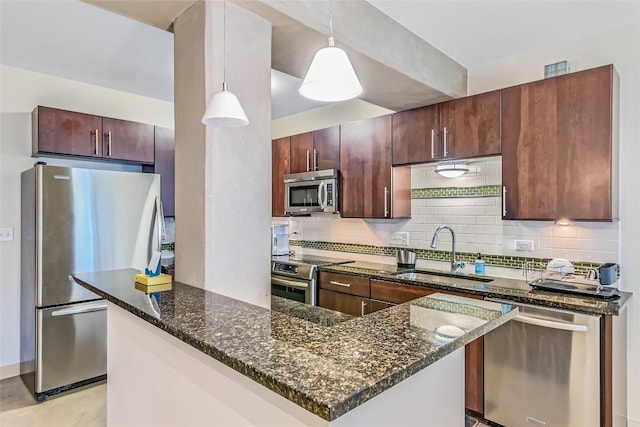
(550, 324)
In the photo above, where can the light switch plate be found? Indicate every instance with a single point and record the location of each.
(400, 238)
(6, 234)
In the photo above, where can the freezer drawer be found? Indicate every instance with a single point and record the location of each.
(71, 344)
(543, 369)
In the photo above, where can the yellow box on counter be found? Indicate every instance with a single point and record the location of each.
(149, 289)
(153, 280)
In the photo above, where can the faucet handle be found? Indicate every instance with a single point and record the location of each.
(457, 266)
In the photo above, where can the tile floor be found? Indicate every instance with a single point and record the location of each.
(85, 407)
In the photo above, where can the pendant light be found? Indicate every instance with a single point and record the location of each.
(331, 77)
(224, 109)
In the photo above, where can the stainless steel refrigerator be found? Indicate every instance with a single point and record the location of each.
(74, 221)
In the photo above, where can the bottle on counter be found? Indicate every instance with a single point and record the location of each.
(479, 267)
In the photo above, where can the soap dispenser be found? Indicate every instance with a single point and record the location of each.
(479, 267)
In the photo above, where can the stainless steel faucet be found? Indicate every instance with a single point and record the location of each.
(456, 265)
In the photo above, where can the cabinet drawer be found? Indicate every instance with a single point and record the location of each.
(397, 292)
(344, 283)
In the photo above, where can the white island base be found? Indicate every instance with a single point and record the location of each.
(154, 379)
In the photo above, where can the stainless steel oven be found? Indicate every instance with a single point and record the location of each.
(295, 277)
(311, 192)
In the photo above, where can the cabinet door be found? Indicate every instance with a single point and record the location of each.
(125, 140)
(326, 148)
(470, 127)
(397, 292)
(66, 132)
(365, 164)
(372, 306)
(557, 147)
(344, 303)
(415, 136)
(279, 168)
(474, 375)
(301, 152)
(164, 165)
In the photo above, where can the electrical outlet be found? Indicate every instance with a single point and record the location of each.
(6, 234)
(524, 245)
(400, 238)
(295, 234)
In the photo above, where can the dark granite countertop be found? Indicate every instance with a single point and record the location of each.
(327, 370)
(514, 290)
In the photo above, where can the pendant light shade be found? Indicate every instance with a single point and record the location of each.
(225, 110)
(331, 77)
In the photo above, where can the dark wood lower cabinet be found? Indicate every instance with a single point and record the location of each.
(474, 376)
(343, 303)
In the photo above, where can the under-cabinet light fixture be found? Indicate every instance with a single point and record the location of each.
(564, 221)
(452, 170)
(224, 109)
(330, 77)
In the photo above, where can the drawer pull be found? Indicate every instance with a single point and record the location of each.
(346, 285)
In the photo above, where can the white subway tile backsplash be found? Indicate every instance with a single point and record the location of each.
(477, 222)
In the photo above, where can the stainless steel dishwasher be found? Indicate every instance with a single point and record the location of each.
(543, 369)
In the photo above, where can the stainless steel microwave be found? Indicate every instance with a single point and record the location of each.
(311, 192)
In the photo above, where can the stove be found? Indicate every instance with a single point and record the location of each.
(295, 276)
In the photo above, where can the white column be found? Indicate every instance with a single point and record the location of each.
(223, 176)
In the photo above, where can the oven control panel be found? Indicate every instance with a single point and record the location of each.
(285, 268)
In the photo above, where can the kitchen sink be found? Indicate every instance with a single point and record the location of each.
(428, 274)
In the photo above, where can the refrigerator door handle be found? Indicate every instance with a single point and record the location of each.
(78, 310)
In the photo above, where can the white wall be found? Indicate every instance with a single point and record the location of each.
(621, 48)
(21, 91)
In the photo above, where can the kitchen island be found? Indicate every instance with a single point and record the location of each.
(209, 359)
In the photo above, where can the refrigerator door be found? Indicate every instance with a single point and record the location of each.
(71, 344)
(91, 220)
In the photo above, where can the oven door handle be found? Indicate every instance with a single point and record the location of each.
(289, 283)
(550, 324)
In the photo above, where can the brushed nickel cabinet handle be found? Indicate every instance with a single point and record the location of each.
(504, 200)
(433, 137)
(345, 285)
(363, 306)
(444, 144)
(386, 202)
(315, 159)
(95, 142)
(308, 161)
(109, 144)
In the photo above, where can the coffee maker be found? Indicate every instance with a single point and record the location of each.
(279, 239)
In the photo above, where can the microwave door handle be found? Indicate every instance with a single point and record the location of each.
(326, 194)
(322, 188)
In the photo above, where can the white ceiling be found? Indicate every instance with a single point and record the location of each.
(474, 32)
(76, 40)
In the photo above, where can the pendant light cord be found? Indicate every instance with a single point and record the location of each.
(224, 45)
(330, 18)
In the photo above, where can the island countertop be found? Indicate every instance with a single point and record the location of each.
(326, 367)
(514, 290)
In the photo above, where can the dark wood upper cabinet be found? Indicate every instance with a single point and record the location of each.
(301, 147)
(461, 128)
(326, 148)
(470, 127)
(315, 150)
(66, 132)
(414, 135)
(164, 165)
(126, 140)
(370, 186)
(559, 147)
(280, 167)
